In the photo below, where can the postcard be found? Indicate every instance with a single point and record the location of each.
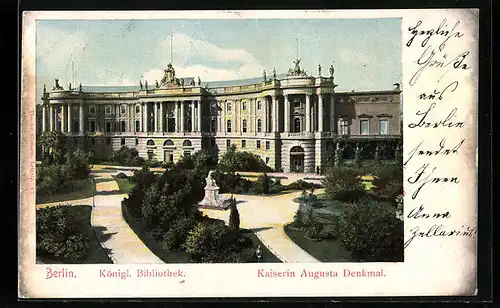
(248, 154)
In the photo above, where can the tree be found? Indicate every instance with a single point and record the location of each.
(265, 184)
(52, 145)
(234, 217)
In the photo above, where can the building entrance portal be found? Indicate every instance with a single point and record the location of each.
(297, 159)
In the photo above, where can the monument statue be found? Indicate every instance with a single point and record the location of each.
(212, 199)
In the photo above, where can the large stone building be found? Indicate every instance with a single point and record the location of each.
(292, 121)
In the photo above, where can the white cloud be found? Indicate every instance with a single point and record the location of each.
(187, 50)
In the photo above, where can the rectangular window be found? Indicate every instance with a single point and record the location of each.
(108, 127)
(228, 106)
(187, 153)
(136, 141)
(268, 145)
(92, 126)
(259, 105)
(123, 109)
(258, 144)
(92, 109)
(228, 143)
(244, 105)
(364, 127)
(243, 144)
(384, 127)
(344, 127)
(122, 141)
(107, 109)
(137, 109)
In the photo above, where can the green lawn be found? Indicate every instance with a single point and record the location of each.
(97, 253)
(125, 185)
(71, 190)
(327, 250)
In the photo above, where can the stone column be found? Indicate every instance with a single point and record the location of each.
(155, 116)
(308, 113)
(63, 117)
(80, 119)
(176, 115)
(320, 113)
(141, 117)
(193, 117)
(223, 126)
(146, 117)
(43, 118)
(266, 114)
(287, 114)
(161, 116)
(275, 114)
(199, 116)
(332, 113)
(69, 118)
(182, 117)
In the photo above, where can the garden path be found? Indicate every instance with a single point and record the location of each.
(265, 216)
(116, 237)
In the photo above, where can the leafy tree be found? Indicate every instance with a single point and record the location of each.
(234, 160)
(371, 231)
(234, 217)
(52, 145)
(265, 184)
(343, 184)
(126, 156)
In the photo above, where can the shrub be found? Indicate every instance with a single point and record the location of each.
(49, 179)
(388, 183)
(343, 184)
(371, 232)
(234, 217)
(205, 242)
(121, 175)
(231, 182)
(301, 185)
(175, 238)
(234, 160)
(58, 235)
(126, 156)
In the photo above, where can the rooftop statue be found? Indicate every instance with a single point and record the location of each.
(199, 81)
(168, 77)
(56, 85)
(332, 71)
(140, 84)
(44, 89)
(192, 83)
(274, 73)
(296, 71)
(264, 75)
(319, 70)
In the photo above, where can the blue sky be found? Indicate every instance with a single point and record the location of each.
(367, 52)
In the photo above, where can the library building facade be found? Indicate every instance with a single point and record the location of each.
(292, 121)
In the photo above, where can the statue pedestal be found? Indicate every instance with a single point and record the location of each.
(213, 200)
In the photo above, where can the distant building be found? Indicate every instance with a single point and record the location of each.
(291, 121)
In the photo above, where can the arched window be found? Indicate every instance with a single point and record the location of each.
(259, 105)
(108, 127)
(244, 126)
(168, 143)
(123, 126)
(296, 125)
(137, 126)
(259, 126)
(150, 142)
(228, 106)
(76, 127)
(228, 126)
(186, 143)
